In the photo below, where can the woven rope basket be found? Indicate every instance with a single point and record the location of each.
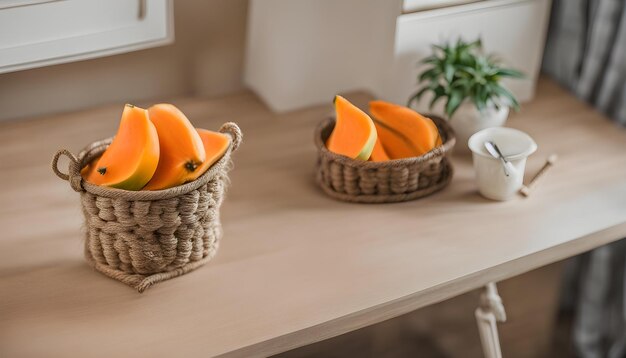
(144, 237)
(390, 181)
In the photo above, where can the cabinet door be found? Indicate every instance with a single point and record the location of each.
(35, 33)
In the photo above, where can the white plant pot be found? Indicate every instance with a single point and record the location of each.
(468, 120)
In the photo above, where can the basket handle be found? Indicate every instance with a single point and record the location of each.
(73, 175)
(234, 131)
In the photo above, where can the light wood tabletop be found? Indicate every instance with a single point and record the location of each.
(294, 266)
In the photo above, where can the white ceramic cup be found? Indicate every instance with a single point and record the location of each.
(516, 146)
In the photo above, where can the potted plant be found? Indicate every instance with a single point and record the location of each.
(470, 83)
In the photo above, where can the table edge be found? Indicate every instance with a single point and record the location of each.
(432, 295)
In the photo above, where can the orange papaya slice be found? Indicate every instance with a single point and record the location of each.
(182, 151)
(132, 158)
(354, 134)
(379, 154)
(89, 168)
(215, 145)
(404, 133)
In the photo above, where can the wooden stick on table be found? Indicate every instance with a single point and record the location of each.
(526, 189)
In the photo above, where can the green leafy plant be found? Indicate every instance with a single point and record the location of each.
(460, 71)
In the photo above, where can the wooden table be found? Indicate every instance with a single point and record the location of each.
(294, 267)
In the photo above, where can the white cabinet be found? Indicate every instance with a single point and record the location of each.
(302, 52)
(36, 33)
(418, 5)
(514, 30)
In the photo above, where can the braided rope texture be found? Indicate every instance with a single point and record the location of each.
(144, 237)
(140, 238)
(397, 180)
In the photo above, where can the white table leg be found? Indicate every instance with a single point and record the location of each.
(490, 311)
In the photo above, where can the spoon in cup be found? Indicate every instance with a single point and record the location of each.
(493, 149)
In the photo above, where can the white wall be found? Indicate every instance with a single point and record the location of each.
(302, 52)
(206, 59)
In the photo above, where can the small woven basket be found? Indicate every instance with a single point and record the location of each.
(144, 237)
(390, 181)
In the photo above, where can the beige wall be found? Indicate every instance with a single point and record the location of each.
(206, 60)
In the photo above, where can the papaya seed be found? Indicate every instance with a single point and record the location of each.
(102, 170)
(191, 166)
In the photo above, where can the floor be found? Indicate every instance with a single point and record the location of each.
(448, 329)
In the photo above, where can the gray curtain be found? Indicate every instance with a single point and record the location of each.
(586, 52)
(594, 292)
